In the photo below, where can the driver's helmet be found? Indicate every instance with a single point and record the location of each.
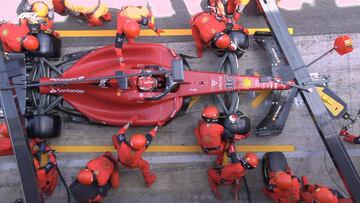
(147, 83)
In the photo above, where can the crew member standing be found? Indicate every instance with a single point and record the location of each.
(231, 173)
(129, 153)
(94, 11)
(213, 137)
(129, 20)
(44, 9)
(209, 134)
(229, 11)
(209, 31)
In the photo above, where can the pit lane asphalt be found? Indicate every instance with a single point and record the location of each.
(182, 176)
(186, 182)
(324, 17)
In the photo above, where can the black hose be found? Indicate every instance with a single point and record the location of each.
(64, 183)
(247, 190)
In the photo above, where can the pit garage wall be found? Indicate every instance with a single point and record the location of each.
(182, 176)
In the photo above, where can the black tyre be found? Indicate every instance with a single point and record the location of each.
(230, 66)
(43, 126)
(273, 162)
(241, 40)
(49, 46)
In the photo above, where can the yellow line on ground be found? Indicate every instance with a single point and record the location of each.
(147, 33)
(260, 98)
(175, 148)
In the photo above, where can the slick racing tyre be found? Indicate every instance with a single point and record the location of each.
(43, 126)
(273, 162)
(49, 46)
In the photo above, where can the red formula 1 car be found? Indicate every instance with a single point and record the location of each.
(152, 86)
(103, 91)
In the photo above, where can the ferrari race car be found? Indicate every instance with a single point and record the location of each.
(152, 85)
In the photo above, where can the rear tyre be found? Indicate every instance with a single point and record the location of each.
(273, 162)
(49, 46)
(43, 126)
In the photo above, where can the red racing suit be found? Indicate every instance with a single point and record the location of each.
(132, 158)
(209, 137)
(281, 196)
(93, 10)
(11, 36)
(308, 192)
(228, 175)
(5, 143)
(106, 169)
(45, 166)
(48, 21)
(204, 27)
(44, 162)
(228, 9)
(131, 13)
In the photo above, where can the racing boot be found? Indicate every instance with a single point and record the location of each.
(150, 180)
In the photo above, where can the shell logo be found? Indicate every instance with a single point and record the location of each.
(246, 83)
(5, 32)
(204, 19)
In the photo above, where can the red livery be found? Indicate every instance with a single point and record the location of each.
(103, 101)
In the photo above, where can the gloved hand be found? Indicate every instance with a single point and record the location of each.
(120, 138)
(231, 149)
(154, 131)
(119, 54)
(245, 30)
(158, 31)
(229, 26)
(144, 21)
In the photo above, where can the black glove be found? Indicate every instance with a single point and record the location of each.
(229, 26)
(144, 21)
